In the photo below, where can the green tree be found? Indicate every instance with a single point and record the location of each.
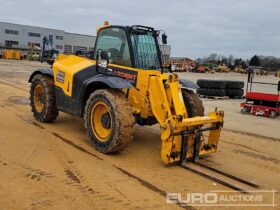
(255, 61)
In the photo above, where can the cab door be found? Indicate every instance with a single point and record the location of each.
(113, 40)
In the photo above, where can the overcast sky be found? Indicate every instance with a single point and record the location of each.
(195, 28)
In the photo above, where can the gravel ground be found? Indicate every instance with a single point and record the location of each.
(53, 166)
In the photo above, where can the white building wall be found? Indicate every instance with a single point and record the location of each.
(23, 38)
(79, 41)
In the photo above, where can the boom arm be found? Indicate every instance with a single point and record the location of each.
(47, 42)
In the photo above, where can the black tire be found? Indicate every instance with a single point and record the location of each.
(245, 110)
(122, 120)
(211, 92)
(193, 103)
(49, 111)
(273, 114)
(234, 84)
(211, 84)
(238, 93)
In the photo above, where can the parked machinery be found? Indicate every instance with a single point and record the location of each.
(257, 103)
(261, 71)
(240, 70)
(223, 69)
(48, 52)
(12, 54)
(124, 84)
(34, 52)
(277, 73)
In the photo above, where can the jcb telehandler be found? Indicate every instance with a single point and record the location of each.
(123, 84)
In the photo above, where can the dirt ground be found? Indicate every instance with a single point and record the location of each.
(53, 166)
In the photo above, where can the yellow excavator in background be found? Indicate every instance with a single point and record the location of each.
(125, 83)
(223, 68)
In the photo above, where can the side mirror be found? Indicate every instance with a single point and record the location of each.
(172, 67)
(102, 64)
(164, 38)
(102, 60)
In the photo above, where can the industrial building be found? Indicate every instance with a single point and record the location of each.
(21, 37)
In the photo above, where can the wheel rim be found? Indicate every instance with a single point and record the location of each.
(39, 98)
(101, 121)
(273, 114)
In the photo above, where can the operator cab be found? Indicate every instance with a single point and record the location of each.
(134, 46)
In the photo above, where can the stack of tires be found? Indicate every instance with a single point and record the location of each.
(219, 88)
(234, 89)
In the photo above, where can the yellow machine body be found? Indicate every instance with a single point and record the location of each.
(155, 95)
(68, 65)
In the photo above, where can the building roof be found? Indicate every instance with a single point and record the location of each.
(46, 28)
(80, 34)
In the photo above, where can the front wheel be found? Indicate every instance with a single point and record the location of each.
(42, 98)
(109, 121)
(245, 110)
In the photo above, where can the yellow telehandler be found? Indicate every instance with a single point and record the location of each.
(122, 84)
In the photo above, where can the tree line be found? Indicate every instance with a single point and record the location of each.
(267, 62)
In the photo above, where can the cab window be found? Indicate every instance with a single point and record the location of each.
(114, 41)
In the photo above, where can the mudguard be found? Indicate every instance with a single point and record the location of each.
(99, 82)
(110, 81)
(45, 71)
(188, 84)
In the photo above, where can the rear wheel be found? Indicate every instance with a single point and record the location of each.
(108, 120)
(193, 103)
(42, 98)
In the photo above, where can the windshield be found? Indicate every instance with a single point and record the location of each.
(113, 40)
(145, 51)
